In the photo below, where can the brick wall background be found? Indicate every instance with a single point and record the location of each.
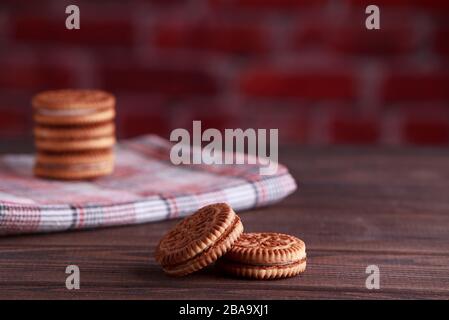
(307, 67)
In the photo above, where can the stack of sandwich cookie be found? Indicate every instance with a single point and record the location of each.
(74, 166)
(74, 133)
(215, 234)
(199, 240)
(265, 256)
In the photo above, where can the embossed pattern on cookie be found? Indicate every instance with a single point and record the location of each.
(199, 240)
(265, 256)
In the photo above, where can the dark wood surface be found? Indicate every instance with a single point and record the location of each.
(355, 207)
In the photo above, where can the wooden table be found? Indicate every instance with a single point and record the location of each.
(355, 207)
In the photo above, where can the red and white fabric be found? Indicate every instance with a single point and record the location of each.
(144, 187)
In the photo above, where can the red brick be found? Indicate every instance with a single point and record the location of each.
(34, 76)
(165, 3)
(293, 127)
(266, 4)
(41, 29)
(214, 37)
(416, 86)
(14, 122)
(18, 100)
(424, 130)
(387, 41)
(290, 118)
(396, 36)
(135, 124)
(315, 85)
(212, 114)
(215, 120)
(169, 81)
(350, 129)
(141, 114)
(442, 41)
(431, 5)
(25, 5)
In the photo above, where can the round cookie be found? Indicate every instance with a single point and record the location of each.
(199, 240)
(70, 107)
(74, 138)
(74, 132)
(73, 99)
(63, 145)
(74, 166)
(265, 256)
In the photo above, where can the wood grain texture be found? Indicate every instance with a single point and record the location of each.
(355, 207)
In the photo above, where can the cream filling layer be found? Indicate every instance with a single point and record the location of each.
(66, 112)
(80, 166)
(268, 264)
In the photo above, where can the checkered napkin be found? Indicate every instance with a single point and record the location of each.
(145, 187)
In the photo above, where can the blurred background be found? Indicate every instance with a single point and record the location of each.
(307, 67)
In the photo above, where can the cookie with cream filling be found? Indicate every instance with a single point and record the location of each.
(74, 166)
(199, 240)
(69, 107)
(265, 256)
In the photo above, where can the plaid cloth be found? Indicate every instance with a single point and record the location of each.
(145, 187)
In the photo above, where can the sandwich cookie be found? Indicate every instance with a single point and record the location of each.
(73, 138)
(73, 107)
(93, 143)
(74, 133)
(74, 166)
(265, 256)
(199, 240)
